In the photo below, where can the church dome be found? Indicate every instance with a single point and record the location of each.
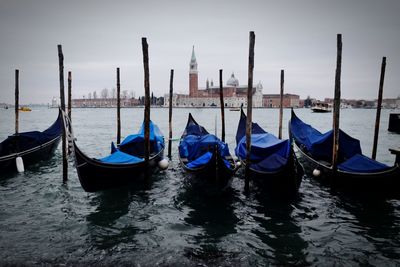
(232, 81)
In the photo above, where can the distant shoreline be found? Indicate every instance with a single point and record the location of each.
(227, 108)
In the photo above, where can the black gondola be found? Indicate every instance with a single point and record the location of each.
(125, 165)
(355, 171)
(205, 156)
(30, 146)
(273, 163)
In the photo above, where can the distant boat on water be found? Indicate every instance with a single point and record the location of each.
(24, 109)
(320, 107)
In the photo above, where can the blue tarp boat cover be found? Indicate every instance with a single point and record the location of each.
(320, 146)
(268, 153)
(120, 158)
(156, 139)
(200, 161)
(241, 131)
(195, 129)
(27, 140)
(361, 163)
(131, 149)
(197, 149)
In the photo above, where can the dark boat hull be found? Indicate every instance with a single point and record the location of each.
(214, 174)
(32, 147)
(30, 156)
(96, 176)
(317, 110)
(285, 181)
(384, 183)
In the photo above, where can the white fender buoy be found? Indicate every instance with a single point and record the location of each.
(238, 163)
(163, 164)
(20, 164)
(316, 173)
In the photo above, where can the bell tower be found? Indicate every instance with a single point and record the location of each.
(193, 76)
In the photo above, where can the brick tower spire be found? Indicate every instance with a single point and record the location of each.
(193, 76)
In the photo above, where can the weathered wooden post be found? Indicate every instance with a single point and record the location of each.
(62, 97)
(145, 49)
(18, 161)
(378, 108)
(281, 106)
(118, 108)
(221, 98)
(69, 103)
(249, 110)
(16, 101)
(336, 105)
(69, 94)
(171, 91)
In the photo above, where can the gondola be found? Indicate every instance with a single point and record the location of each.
(273, 164)
(355, 171)
(205, 156)
(30, 146)
(125, 165)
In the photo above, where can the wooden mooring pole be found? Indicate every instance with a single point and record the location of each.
(171, 91)
(281, 106)
(252, 38)
(69, 95)
(221, 98)
(16, 101)
(118, 108)
(145, 48)
(69, 103)
(378, 108)
(62, 97)
(336, 105)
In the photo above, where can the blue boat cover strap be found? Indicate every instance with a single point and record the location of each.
(361, 163)
(119, 157)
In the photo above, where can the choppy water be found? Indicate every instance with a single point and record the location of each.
(43, 221)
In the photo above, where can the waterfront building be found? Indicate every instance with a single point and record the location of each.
(235, 94)
(274, 100)
(103, 102)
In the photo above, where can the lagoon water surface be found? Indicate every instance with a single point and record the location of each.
(170, 223)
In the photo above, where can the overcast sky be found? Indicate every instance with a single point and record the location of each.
(297, 36)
